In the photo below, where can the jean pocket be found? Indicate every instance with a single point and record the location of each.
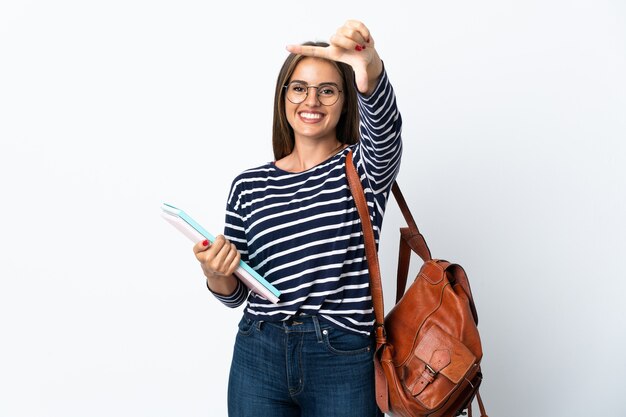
(345, 343)
(246, 326)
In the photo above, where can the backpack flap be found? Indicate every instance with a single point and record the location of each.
(439, 356)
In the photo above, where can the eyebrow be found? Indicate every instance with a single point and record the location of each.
(307, 84)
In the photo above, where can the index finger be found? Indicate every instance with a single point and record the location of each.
(309, 50)
(357, 27)
(201, 246)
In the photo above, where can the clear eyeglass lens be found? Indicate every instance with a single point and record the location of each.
(327, 94)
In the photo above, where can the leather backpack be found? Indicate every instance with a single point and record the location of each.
(428, 349)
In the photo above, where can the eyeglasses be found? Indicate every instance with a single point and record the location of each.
(327, 93)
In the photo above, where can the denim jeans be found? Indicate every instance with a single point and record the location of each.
(301, 368)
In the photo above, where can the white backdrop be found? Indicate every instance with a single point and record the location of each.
(514, 166)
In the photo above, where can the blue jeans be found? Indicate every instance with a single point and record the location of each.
(301, 368)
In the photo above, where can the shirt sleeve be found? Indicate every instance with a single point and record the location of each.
(234, 231)
(235, 299)
(234, 227)
(379, 151)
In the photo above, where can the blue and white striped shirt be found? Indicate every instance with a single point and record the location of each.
(301, 231)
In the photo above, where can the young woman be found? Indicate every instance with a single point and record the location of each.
(295, 222)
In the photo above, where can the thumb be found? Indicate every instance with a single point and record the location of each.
(361, 79)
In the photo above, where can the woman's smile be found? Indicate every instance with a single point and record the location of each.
(310, 116)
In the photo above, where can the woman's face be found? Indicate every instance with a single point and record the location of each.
(310, 119)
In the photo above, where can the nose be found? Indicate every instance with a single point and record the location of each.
(311, 97)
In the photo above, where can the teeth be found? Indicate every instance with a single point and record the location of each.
(311, 115)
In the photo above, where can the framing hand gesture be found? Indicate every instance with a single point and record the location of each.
(353, 45)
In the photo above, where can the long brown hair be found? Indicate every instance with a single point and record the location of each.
(283, 139)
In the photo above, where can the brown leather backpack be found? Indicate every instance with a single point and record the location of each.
(428, 349)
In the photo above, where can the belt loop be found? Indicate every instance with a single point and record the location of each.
(258, 325)
(318, 331)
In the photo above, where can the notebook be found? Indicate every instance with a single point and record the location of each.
(196, 233)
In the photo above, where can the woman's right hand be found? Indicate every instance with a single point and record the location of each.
(218, 261)
(352, 44)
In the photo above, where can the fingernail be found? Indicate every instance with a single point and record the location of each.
(358, 48)
(205, 243)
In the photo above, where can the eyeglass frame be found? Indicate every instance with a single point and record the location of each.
(317, 94)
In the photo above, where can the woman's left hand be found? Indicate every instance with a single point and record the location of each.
(352, 44)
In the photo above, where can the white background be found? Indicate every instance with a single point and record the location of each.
(514, 166)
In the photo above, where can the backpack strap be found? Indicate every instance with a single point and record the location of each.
(411, 239)
(411, 235)
(376, 288)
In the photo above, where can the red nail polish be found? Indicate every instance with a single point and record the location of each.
(358, 48)
(205, 243)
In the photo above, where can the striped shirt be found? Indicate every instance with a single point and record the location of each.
(301, 231)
